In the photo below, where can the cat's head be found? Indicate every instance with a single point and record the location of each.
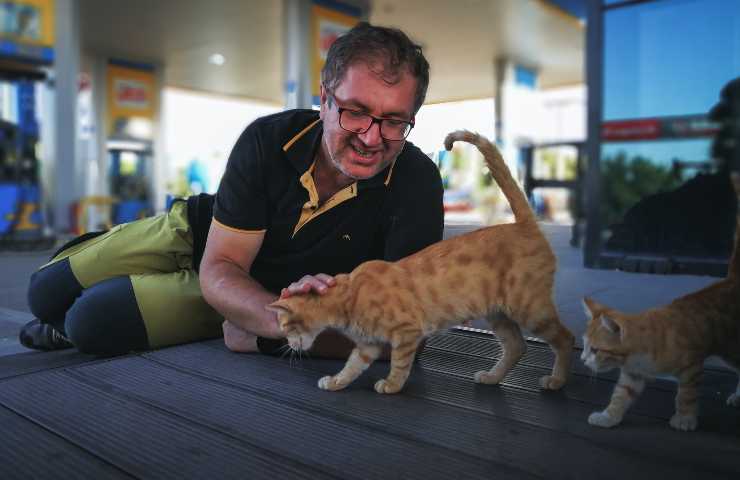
(296, 321)
(603, 342)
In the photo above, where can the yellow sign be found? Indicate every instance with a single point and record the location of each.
(131, 98)
(28, 21)
(326, 26)
(26, 217)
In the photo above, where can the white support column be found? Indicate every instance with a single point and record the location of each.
(297, 54)
(157, 182)
(505, 134)
(100, 105)
(67, 176)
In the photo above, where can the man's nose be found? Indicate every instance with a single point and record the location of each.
(372, 136)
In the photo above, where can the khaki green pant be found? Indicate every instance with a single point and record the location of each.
(156, 253)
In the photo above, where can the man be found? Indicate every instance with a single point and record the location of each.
(305, 195)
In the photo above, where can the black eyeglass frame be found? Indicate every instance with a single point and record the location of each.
(373, 120)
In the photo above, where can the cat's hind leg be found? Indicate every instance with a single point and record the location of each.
(510, 337)
(361, 357)
(687, 397)
(547, 326)
(734, 399)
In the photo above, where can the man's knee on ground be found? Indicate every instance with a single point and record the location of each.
(106, 320)
(52, 290)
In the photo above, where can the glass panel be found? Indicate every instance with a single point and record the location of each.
(669, 57)
(665, 188)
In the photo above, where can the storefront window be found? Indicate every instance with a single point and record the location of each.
(664, 180)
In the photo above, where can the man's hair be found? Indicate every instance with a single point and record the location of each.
(389, 48)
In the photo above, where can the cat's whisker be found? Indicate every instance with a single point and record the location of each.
(292, 357)
(284, 350)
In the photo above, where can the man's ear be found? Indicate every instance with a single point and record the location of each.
(279, 306)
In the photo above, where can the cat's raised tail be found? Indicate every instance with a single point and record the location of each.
(499, 171)
(734, 268)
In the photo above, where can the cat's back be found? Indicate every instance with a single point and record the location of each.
(702, 323)
(524, 242)
(379, 274)
(519, 246)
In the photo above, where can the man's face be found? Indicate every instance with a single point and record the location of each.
(363, 155)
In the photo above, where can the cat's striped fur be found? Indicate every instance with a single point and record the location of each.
(504, 273)
(671, 340)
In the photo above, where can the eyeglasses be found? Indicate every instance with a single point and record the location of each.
(356, 121)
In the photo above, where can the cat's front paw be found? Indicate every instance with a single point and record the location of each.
(686, 423)
(489, 378)
(734, 400)
(330, 383)
(603, 419)
(550, 382)
(384, 386)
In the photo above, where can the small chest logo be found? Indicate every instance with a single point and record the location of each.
(346, 237)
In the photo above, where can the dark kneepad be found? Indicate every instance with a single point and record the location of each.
(106, 319)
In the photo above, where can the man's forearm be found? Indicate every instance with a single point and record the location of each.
(240, 299)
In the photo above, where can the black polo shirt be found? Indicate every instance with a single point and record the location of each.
(268, 187)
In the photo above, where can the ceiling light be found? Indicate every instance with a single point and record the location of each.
(217, 59)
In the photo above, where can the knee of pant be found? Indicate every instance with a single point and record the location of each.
(52, 290)
(41, 297)
(35, 296)
(81, 326)
(105, 319)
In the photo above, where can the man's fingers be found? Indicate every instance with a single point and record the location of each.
(318, 283)
(313, 284)
(327, 279)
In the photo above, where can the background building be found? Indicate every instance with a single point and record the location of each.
(111, 108)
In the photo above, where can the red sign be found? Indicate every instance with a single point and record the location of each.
(690, 126)
(648, 129)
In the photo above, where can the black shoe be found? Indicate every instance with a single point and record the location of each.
(42, 336)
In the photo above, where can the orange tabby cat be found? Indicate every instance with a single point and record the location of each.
(674, 340)
(504, 273)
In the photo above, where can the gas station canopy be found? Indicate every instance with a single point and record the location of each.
(462, 40)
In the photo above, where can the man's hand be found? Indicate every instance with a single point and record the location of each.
(318, 283)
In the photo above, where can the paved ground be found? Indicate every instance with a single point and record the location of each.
(199, 411)
(15, 270)
(628, 291)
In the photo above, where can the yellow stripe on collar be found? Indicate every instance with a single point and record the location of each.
(300, 134)
(311, 208)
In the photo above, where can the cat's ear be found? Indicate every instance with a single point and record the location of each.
(590, 306)
(279, 306)
(610, 324)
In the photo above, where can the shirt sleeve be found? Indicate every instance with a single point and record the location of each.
(417, 219)
(241, 199)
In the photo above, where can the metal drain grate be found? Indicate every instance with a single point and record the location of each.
(462, 353)
(486, 345)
